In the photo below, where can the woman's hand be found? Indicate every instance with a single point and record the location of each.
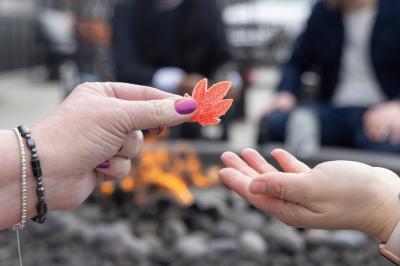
(284, 102)
(94, 134)
(333, 195)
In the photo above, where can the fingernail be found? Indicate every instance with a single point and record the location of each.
(104, 165)
(185, 106)
(258, 187)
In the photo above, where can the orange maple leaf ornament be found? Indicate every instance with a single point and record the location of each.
(211, 104)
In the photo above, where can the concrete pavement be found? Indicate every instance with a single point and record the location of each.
(26, 98)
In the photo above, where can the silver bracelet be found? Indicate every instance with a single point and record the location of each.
(24, 197)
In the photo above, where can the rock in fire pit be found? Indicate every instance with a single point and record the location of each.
(164, 233)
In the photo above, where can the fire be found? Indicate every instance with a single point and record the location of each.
(107, 188)
(170, 168)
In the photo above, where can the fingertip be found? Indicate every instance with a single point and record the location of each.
(185, 106)
(124, 168)
(116, 166)
(138, 138)
(248, 150)
(278, 154)
(278, 151)
(224, 156)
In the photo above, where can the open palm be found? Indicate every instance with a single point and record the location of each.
(333, 195)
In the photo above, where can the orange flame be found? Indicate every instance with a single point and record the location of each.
(171, 170)
(107, 188)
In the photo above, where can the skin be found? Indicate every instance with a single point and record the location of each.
(333, 195)
(381, 122)
(91, 126)
(284, 102)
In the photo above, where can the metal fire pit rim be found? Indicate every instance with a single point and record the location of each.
(214, 149)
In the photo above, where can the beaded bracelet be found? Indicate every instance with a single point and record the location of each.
(37, 173)
(22, 223)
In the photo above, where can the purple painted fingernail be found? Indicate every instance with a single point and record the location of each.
(104, 165)
(185, 106)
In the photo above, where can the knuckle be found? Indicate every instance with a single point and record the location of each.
(85, 85)
(158, 108)
(156, 111)
(278, 190)
(81, 87)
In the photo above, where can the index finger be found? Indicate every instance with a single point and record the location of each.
(257, 162)
(232, 160)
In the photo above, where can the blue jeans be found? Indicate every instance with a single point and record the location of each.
(339, 127)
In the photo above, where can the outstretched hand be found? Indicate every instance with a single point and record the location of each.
(381, 122)
(333, 195)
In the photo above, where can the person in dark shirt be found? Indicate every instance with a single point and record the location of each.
(353, 46)
(184, 38)
(169, 44)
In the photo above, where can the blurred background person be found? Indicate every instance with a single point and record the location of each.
(93, 34)
(169, 44)
(74, 39)
(352, 46)
(56, 34)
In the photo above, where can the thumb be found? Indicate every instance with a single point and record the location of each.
(159, 113)
(285, 186)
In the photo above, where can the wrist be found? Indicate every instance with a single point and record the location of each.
(388, 225)
(49, 166)
(10, 182)
(386, 214)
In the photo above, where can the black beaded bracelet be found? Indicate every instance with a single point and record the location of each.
(37, 173)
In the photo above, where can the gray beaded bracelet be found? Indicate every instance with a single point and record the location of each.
(37, 173)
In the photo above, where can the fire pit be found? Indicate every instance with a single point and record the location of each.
(168, 169)
(171, 210)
